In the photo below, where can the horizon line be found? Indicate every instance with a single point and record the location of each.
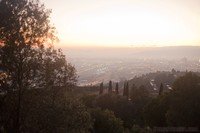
(130, 46)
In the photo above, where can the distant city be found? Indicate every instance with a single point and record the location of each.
(94, 67)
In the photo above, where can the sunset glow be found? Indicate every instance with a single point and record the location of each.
(126, 22)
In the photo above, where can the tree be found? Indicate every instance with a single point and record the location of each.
(132, 91)
(179, 107)
(190, 81)
(106, 122)
(25, 33)
(25, 24)
(117, 88)
(155, 111)
(139, 94)
(55, 71)
(88, 100)
(110, 87)
(66, 115)
(126, 90)
(161, 89)
(184, 106)
(101, 89)
(122, 108)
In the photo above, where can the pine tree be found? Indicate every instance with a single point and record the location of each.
(110, 87)
(101, 88)
(117, 88)
(161, 89)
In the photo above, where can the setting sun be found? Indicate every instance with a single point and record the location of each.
(127, 23)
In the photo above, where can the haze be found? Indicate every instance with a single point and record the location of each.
(118, 23)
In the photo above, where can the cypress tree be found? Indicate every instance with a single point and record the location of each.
(101, 88)
(110, 87)
(126, 89)
(117, 88)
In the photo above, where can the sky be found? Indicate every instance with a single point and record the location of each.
(126, 23)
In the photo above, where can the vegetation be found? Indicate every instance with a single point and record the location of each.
(38, 91)
(179, 107)
(126, 90)
(110, 87)
(106, 122)
(117, 88)
(101, 88)
(35, 75)
(176, 107)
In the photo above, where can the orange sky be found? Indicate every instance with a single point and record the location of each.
(123, 23)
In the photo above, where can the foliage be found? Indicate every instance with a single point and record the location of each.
(65, 115)
(140, 94)
(155, 111)
(24, 29)
(88, 100)
(54, 70)
(180, 107)
(130, 112)
(106, 122)
(36, 85)
(184, 109)
(41, 114)
(27, 57)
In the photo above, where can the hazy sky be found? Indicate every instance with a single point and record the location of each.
(126, 22)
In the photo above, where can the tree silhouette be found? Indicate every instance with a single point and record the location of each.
(26, 61)
(126, 89)
(110, 87)
(55, 71)
(117, 88)
(101, 88)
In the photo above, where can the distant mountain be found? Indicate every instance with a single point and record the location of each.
(171, 52)
(134, 52)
